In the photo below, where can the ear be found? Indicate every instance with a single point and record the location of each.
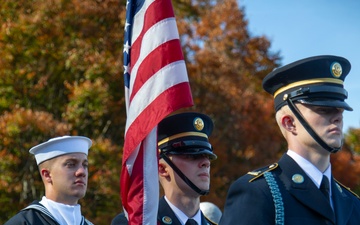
(163, 169)
(288, 123)
(45, 174)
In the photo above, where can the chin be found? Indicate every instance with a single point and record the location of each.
(205, 187)
(336, 145)
(80, 194)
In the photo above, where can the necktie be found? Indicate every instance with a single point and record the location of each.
(324, 187)
(191, 222)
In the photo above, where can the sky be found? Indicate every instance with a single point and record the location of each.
(300, 29)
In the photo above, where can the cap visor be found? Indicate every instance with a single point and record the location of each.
(211, 155)
(327, 103)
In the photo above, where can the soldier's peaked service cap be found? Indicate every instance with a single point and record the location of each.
(186, 133)
(317, 80)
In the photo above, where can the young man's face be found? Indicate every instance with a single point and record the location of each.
(196, 168)
(327, 122)
(69, 176)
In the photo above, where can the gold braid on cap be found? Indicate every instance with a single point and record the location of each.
(304, 82)
(181, 135)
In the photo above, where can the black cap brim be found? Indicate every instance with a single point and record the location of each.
(326, 103)
(192, 151)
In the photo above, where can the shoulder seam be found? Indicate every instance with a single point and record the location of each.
(42, 209)
(258, 174)
(347, 188)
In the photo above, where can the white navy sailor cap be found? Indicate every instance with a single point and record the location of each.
(60, 146)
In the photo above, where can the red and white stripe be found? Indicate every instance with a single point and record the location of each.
(159, 85)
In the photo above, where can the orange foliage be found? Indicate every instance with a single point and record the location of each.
(346, 168)
(61, 73)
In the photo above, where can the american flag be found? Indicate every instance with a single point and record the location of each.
(156, 84)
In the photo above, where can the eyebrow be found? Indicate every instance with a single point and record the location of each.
(70, 158)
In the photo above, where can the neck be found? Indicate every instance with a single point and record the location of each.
(320, 159)
(61, 199)
(188, 205)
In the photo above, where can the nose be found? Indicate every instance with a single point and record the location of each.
(81, 171)
(205, 161)
(338, 117)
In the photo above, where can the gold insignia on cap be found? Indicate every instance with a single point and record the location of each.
(167, 220)
(336, 69)
(298, 178)
(285, 97)
(198, 124)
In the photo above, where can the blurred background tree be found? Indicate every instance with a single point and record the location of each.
(61, 74)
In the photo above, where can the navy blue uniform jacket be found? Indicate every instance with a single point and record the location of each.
(36, 214)
(251, 203)
(165, 216)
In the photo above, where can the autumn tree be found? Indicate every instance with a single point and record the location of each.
(226, 66)
(61, 74)
(346, 163)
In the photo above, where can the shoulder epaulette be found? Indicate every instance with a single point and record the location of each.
(345, 187)
(261, 172)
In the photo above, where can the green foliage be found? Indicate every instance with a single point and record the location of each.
(60, 75)
(353, 139)
(21, 129)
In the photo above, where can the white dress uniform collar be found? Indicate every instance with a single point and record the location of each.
(64, 214)
(314, 173)
(181, 216)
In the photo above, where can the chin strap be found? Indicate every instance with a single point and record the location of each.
(185, 179)
(308, 128)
